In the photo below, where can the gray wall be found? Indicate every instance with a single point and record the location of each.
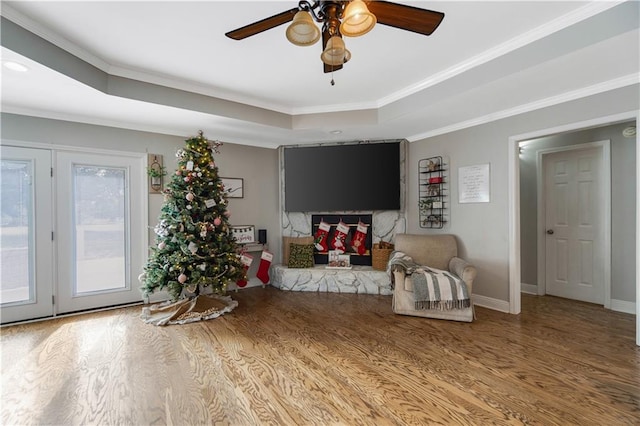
(483, 229)
(623, 204)
(257, 166)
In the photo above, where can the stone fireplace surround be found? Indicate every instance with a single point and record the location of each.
(360, 279)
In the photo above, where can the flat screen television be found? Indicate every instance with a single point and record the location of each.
(363, 176)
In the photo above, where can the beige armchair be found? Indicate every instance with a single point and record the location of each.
(436, 251)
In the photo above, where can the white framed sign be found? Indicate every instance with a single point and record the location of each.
(473, 184)
(243, 234)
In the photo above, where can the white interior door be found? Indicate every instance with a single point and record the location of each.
(101, 237)
(574, 202)
(26, 225)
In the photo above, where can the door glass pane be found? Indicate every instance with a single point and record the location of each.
(100, 228)
(16, 222)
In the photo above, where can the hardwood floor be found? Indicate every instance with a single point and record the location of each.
(289, 358)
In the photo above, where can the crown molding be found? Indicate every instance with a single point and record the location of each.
(121, 124)
(52, 37)
(584, 92)
(96, 121)
(595, 89)
(515, 43)
(193, 87)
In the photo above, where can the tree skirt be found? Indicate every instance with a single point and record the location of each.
(198, 308)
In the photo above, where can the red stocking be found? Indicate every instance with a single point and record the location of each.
(358, 240)
(340, 237)
(246, 260)
(263, 269)
(320, 238)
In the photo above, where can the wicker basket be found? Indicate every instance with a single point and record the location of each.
(380, 255)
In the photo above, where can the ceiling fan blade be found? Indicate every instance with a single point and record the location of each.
(262, 25)
(421, 21)
(328, 68)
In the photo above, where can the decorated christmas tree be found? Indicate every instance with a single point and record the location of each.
(193, 247)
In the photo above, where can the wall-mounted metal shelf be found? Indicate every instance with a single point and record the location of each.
(432, 192)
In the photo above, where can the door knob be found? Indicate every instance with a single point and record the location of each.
(550, 231)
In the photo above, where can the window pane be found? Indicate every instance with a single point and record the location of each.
(100, 228)
(16, 222)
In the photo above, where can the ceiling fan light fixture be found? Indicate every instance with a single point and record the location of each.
(335, 52)
(303, 31)
(357, 20)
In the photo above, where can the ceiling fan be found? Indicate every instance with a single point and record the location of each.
(350, 18)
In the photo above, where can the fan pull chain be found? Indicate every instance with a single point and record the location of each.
(333, 83)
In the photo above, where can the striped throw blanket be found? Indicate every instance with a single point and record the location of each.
(432, 288)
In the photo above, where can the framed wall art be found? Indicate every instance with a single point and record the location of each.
(233, 187)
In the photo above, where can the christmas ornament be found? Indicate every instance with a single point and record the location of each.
(162, 245)
(182, 278)
(189, 196)
(217, 221)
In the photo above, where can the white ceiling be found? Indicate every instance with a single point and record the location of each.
(487, 60)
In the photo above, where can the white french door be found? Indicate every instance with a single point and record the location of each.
(26, 225)
(72, 231)
(100, 230)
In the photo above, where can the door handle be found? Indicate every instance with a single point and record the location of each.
(550, 231)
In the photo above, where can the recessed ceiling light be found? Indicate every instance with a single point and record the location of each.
(15, 66)
(335, 132)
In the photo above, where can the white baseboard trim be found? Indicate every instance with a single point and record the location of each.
(529, 288)
(623, 306)
(491, 303)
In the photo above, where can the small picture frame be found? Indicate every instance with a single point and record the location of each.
(233, 187)
(433, 191)
(337, 260)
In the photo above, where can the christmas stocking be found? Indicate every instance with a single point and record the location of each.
(320, 238)
(246, 260)
(358, 240)
(340, 237)
(263, 269)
